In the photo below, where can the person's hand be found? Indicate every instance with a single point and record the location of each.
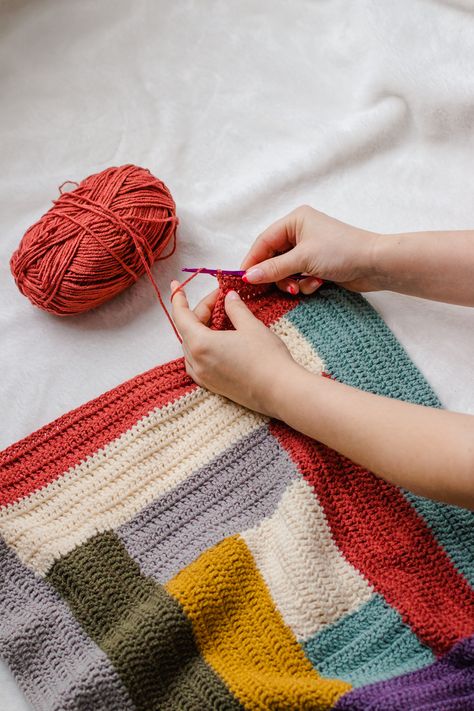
(313, 243)
(249, 365)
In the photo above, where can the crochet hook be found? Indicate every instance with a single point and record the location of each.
(233, 272)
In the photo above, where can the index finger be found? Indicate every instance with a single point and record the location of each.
(185, 319)
(277, 238)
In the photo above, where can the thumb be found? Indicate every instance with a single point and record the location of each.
(238, 312)
(276, 268)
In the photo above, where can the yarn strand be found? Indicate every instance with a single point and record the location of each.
(186, 281)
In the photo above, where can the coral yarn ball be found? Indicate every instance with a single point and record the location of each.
(95, 241)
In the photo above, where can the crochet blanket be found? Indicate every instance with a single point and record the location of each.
(165, 548)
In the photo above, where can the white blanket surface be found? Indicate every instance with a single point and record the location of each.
(246, 109)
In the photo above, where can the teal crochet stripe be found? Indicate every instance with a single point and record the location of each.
(370, 644)
(347, 332)
(453, 528)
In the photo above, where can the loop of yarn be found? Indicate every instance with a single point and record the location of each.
(186, 281)
(96, 240)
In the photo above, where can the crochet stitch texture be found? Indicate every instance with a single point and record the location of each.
(164, 548)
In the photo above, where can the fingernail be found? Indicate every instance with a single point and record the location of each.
(291, 289)
(253, 275)
(315, 283)
(232, 295)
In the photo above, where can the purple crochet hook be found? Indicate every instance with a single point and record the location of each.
(233, 272)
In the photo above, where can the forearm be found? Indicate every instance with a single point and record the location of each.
(427, 451)
(433, 265)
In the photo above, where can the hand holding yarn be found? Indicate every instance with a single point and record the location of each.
(309, 241)
(249, 365)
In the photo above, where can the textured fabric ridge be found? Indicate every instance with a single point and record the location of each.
(164, 548)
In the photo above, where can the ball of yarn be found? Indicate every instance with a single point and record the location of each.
(96, 240)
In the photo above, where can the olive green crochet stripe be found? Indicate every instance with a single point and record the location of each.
(142, 629)
(357, 347)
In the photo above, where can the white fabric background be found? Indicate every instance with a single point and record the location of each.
(245, 109)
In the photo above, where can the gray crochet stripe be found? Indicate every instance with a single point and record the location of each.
(233, 492)
(58, 667)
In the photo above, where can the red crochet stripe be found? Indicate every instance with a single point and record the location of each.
(43, 456)
(265, 300)
(382, 535)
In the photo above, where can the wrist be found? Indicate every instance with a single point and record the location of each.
(383, 261)
(289, 389)
(372, 260)
(279, 388)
